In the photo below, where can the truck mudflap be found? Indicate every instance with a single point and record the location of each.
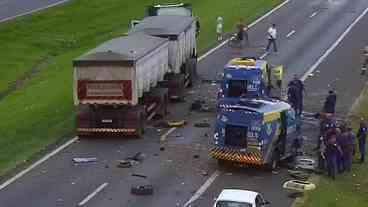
(107, 131)
(246, 158)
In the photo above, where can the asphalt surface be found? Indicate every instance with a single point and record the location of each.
(12, 8)
(176, 173)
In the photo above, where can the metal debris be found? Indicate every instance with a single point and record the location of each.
(142, 190)
(162, 148)
(196, 156)
(83, 160)
(139, 175)
(127, 163)
(139, 156)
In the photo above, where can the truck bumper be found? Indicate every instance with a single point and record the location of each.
(106, 131)
(243, 158)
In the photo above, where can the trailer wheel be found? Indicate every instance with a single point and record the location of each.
(141, 126)
(191, 68)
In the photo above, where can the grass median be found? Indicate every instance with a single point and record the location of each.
(35, 71)
(349, 189)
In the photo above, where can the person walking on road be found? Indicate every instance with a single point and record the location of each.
(365, 60)
(330, 103)
(362, 137)
(219, 28)
(272, 35)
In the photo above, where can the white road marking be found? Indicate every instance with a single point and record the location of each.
(164, 136)
(333, 46)
(249, 26)
(290, 33)
(46, 157)
(203, 188)
(39, 162)
(93, 194)
(263, 56)
(32, 11)
(312, 15)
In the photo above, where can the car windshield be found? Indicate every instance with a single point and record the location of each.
(232, 204)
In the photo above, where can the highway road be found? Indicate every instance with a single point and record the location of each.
(176, 173)
(10, 9)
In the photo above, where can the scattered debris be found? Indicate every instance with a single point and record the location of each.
(176, 123)
(139, 156)
(196, 156)
(298, 186)
(107, 166)
(202, 124)
(127, 163)
(139, 175)
(168, 160)
(82, 160)
(142, 190)
(155, 154)
(299, 175)
(305, 163)
(162, 148)
(275, 172)
(59, 200)
(204, 173)
(196, 105)
(310, 75)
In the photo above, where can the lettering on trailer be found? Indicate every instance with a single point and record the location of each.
(105, 89)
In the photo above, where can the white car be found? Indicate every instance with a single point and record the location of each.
(240, 198)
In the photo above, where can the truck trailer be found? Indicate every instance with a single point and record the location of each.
(116, 85)
(181, 32)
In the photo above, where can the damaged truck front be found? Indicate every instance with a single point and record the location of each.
(116, 85)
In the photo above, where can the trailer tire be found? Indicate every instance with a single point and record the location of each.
(141, 125)
(191, 69)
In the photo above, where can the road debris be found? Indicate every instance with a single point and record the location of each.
(299, 175)
(179, 123)
(204, 173)
(162, 148)
(305, 163)
(139, 156)
(201, 124)
(142, 190)
(298, 186)
(196, 156)
(127, 163)
(139, 175)
(84, 160)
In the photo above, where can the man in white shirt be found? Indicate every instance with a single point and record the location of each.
(219, 28)
(271, 35)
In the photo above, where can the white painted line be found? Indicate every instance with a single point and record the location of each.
(249, 26)
(312, 15)
(32, 11)
(290, 33)
(164, 136)
(46, 157)
(203, 188)
(93, 194)
(333, 46)
(263, 56)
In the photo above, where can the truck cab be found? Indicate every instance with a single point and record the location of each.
(254, 131)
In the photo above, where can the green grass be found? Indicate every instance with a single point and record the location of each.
(350, 189)
(40, 111)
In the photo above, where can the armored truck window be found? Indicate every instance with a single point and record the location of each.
(237, 87)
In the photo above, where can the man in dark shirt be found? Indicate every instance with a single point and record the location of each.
(362, 136)
(330, 102)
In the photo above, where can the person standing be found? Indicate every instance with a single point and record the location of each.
(300, 93)
(219, 28)
(332, 151)
(330, 102)
(240, 31)
(362, 136)
(365, 60)
(292, 96)
(272, 35)
(246, 35)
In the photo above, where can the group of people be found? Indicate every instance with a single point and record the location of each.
(337, 145)
(242, 33)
